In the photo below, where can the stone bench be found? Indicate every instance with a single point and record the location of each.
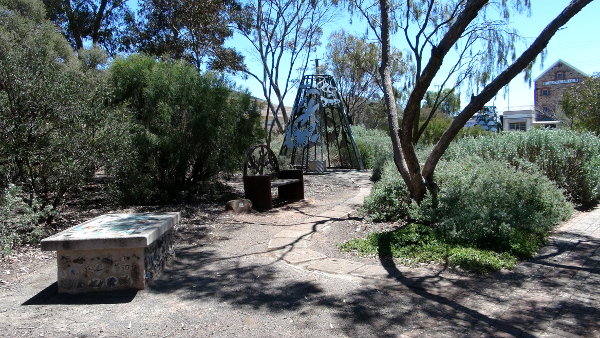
(113, 251)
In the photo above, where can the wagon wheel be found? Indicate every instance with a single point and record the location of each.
(260, 160)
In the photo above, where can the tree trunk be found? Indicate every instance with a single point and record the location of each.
(388, 94)
(417, 181)
(402, 139)
(73, 25)
(99, 16)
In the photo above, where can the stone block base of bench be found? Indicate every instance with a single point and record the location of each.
(113, 251)
(109, 269)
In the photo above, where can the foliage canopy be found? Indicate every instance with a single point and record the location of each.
(186, 127)
(54, 128)
(582, 104)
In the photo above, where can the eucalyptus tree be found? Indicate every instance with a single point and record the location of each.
(283, 35)
(581, 104)
(354, 61)
(103, 22)
(447, 100)
(486, 53)
(192, 30)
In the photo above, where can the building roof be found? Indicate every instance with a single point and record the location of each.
(544, 118)
(517, 112)
(563, 62)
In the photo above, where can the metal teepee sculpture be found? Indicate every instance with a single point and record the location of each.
(318, 135)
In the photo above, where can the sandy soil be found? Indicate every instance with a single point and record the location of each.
(224, 283)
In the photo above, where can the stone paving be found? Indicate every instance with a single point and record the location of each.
(557, 293)
(291, 244)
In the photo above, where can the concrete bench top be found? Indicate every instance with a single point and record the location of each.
(113, 231)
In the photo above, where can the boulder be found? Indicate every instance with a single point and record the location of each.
(239, 206)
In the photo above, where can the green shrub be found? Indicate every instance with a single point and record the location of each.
(490, 205)
(438, 125)
(188, 127)
(481, 205)
(591, 185)
(374, 145)
(19, 221)
(389, 198)
(565, 157)
(54, 128)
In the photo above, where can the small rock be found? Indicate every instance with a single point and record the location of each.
(239, 206)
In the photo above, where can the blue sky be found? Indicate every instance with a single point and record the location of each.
(578, 44)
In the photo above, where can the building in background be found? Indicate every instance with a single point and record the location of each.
(523, 120)
(550, 85)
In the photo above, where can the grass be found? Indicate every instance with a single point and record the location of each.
(416, 243)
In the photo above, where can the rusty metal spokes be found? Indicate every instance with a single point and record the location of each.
(260, 160)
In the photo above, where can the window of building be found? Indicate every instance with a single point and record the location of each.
(560, 75)
(545, 109)
(521, 126)
(545, 92)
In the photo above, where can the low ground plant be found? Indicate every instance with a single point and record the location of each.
(19, 220)
(417, 243)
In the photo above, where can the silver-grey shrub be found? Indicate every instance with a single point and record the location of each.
(568, 158)
(490, 205)
(480, 203)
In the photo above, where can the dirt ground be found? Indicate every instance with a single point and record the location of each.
(223, 282)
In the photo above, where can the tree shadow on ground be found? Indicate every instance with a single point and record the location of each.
(554, 292)
(203, 274)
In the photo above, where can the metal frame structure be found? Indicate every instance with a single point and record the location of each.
(318, 130)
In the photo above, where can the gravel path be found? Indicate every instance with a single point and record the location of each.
(231, 279)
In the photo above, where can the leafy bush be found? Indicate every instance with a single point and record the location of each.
(565, 157)
(486, 215)
(591, 172)
(188, 127)
(19, 221)
(374, 145)
(438, 125)
(54, 128)
(490, 205)
(389, 198)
